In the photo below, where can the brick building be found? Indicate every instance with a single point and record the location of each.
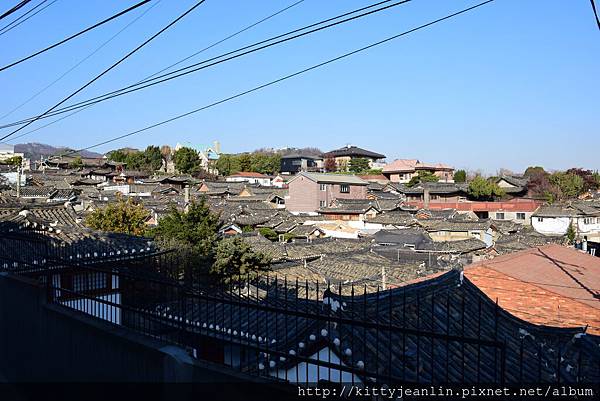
(309, 192)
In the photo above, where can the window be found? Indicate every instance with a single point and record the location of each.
(520, 216)
(589, 220)
(345, 188)
(323, 187)
(322, 204)
(499, 216)
(540, 219)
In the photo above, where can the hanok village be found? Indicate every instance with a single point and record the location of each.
(337, 267)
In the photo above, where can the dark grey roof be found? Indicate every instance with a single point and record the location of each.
(415, 237)
(453, 225)
(394, 217)
(350, 206)
(567, 210)
(354, 151)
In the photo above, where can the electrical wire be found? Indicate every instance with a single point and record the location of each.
(219, 59)
(96, 50)
(14, 9)
(22, 18)
(286, 77)
(115, 16)
(150, 39)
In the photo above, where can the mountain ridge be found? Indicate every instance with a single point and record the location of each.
(34, 150)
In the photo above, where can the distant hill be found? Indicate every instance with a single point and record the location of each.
(34, 151)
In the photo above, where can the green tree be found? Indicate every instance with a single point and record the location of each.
(268, 233)
(76, 162)
(358, 164)
(570, 185)
(533, 171)
(482, 189)
(422, 176)
(571, 234)
(186, 160)
(225, 165)
(198, 228)
(13, 161)
(235, 258)
(117, 156)
(153, 158)
(120, 217)
(460, 176)
(245, 161)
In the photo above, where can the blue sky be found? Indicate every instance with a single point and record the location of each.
(512, 84)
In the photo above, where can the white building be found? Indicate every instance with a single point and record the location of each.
(8, 152)
(250, 178)
(556, 219)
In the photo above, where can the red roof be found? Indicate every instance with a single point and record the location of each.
(515, 205)
(249, 174)
(550, 285)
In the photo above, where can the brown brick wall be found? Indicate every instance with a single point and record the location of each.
(305, 195)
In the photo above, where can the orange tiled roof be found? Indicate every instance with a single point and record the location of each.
(551, 285)
(249, 174)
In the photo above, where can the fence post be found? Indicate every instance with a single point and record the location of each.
(49, 287)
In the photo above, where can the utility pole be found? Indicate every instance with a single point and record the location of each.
(18, 181)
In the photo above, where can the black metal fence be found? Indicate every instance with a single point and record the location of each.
(442, 330)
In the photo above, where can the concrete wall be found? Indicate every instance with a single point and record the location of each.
(40, 342)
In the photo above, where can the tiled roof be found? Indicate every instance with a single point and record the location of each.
(444, 304)
(453, 225)
(524, 238)
(547, 285)
(394, 217)
(351, 206)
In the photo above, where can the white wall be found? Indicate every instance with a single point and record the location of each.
(266, 182)
(551, 225)
(311, 373)
(99, 309)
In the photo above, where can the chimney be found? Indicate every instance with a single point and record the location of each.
(426, 198)
(186, 196)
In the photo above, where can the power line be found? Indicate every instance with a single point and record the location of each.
(111, 67)
(224, 39)
(14, 9)
(16, 22)
(220, 59)
(284, 78)
(158, 72)
(141, 3)
(595, 12)
(96, 50)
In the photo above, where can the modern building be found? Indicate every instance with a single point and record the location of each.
(344, 155)
(309, 192)
(8, 152)
(294, 163)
